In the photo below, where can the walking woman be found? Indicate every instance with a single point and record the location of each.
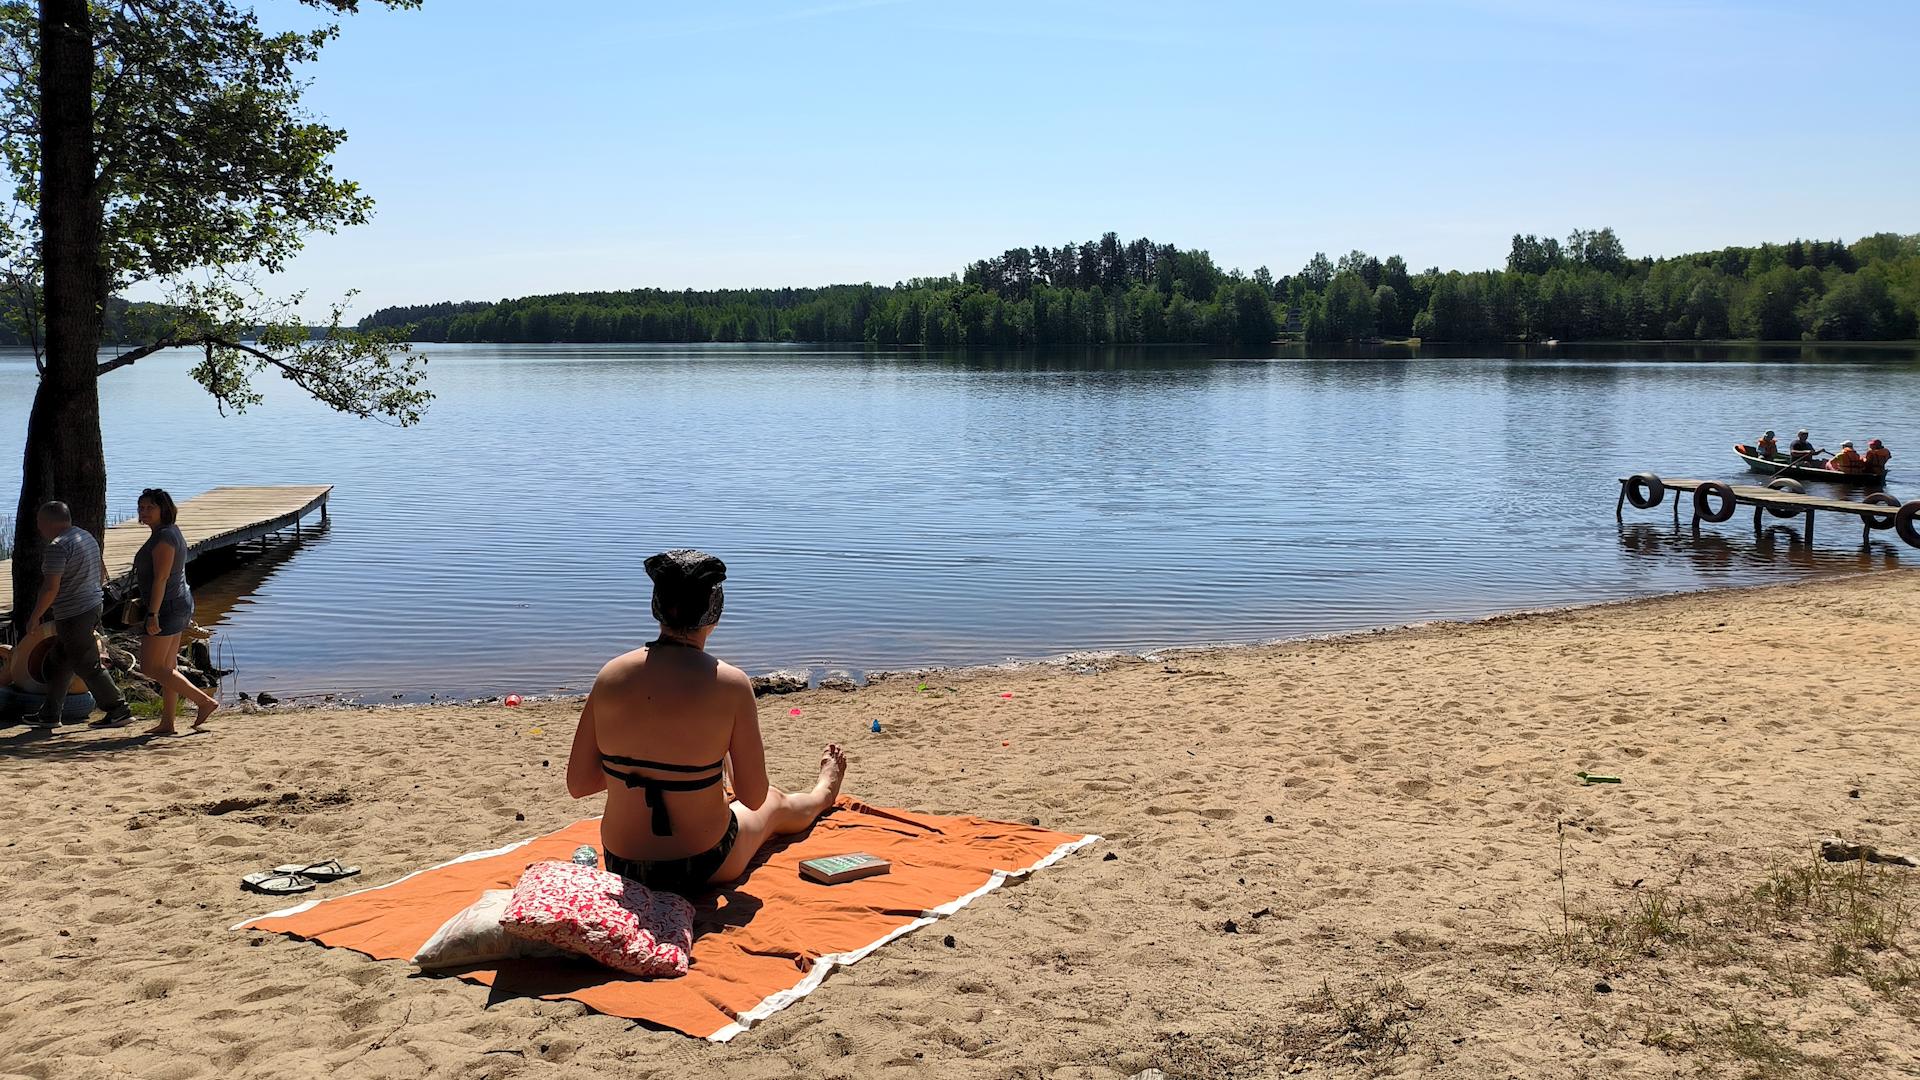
(161, 568)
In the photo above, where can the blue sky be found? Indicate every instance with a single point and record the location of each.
(517, 148)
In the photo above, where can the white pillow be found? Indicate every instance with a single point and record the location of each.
(474, 937)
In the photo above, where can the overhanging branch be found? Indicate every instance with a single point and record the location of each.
(141, 353)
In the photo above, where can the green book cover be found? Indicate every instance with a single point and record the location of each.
(831, 869)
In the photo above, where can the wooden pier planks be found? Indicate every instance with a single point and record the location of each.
(1754, 494)
(218, 519)
(1788, 504)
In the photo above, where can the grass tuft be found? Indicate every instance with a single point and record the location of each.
(1376, 1022)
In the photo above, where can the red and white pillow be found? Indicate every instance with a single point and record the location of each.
(602, 916)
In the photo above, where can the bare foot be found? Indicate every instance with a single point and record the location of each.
(833, 769)
(200, 717)
(165, 727)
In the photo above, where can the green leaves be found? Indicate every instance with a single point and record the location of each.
(211, 173)
(208, 157)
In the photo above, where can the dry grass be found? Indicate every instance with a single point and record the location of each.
(1364, 1028)
(1807, 929)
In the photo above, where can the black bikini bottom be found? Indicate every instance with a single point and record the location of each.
(689, 876)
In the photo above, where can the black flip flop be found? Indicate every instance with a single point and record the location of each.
(330, 870)
(276, 883)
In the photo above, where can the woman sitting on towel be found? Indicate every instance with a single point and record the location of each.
(663, 726)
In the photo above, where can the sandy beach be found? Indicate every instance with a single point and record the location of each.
(1336, 857)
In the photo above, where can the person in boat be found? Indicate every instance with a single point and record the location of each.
(1848, 460)
(1877, 457)
(1801, 448)
(662, 728)
(1769, 446)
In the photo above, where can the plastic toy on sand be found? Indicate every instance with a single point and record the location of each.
(513, 701)
(875, 728)
(793, 712)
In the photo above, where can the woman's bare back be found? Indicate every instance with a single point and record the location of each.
(673, 705)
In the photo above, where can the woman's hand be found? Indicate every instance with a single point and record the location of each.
(153, 624)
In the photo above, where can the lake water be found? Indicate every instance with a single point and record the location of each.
(884, 510)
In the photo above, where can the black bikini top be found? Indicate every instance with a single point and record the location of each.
(653, 786)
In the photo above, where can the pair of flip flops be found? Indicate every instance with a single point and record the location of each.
(296, 877)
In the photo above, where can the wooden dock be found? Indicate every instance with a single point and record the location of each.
(1784, 504)
(222, 518)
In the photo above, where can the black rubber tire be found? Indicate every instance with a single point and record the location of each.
(1785, 484)
(1880, 498)
(1903, 523)
(1703, 496)
(1655, 491)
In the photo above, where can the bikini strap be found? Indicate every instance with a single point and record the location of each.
(653, 788)
(663, 766)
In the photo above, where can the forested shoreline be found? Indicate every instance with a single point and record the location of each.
(1109, 292)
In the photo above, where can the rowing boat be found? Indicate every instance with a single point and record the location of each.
(1812, 470)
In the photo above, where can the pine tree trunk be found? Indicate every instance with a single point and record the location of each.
(64, 458)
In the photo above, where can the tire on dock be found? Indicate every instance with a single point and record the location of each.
(1704, 496)
(1790, 486)
(1645, 491)
(1904, 523)
(1880, 498)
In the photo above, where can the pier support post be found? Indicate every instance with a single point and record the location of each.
(1757, 508)
(1809, 526)
(1676, 507)
(1619, 506)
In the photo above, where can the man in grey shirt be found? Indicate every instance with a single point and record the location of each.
(71, 575)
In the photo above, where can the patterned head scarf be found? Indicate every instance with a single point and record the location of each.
(686, 588)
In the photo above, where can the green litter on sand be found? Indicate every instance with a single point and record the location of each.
(1596, 778)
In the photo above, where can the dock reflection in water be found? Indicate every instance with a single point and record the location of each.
(1775, 547)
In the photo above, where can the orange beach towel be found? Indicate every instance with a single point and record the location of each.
(759, 945)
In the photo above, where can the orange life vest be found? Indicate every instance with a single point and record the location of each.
(1877, 460)
(1769, 448)
(1847, 460)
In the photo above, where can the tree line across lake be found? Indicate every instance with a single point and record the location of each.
(1108, 292)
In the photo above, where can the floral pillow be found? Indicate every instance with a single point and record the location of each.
(605, 917)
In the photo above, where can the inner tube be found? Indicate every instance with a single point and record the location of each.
(21, 703)
(1645, 491)
(1703, 497)
(1879, 521)
(1903, 523)
(1784, 484)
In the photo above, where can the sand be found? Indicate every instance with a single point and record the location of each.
(1329, 858)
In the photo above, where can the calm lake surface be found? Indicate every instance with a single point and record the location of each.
(884, 510)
